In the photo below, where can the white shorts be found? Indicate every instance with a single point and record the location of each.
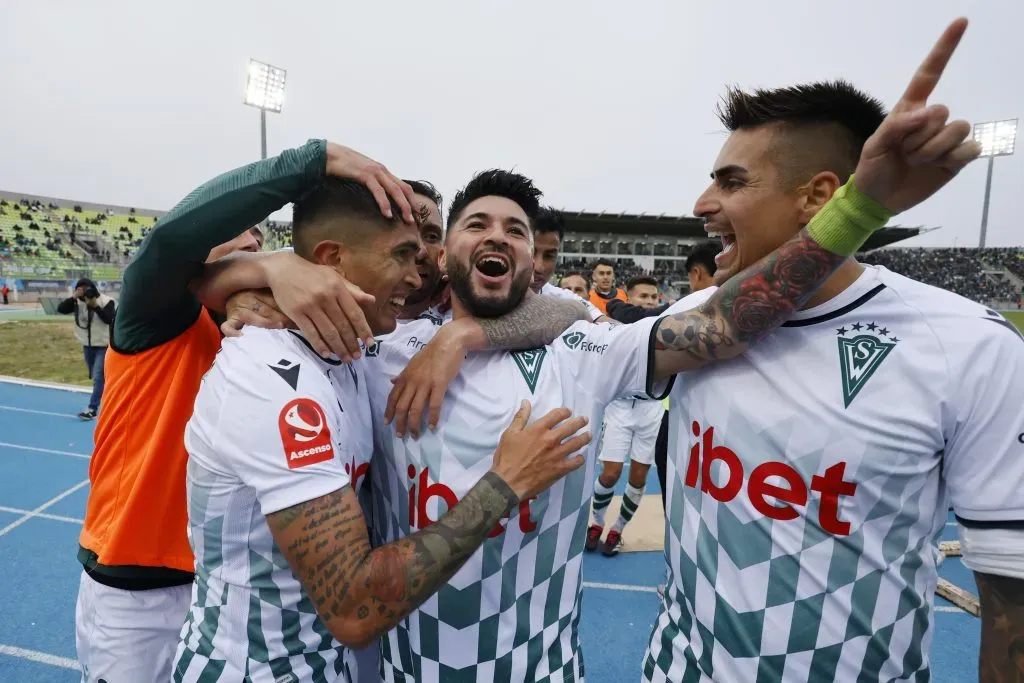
(125, 635)
(630, 428)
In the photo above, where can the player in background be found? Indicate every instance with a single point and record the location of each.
(700, 265)
(604, 290)
(630, 429)
(548, 233)
(432, 296)
(810, 479)
(577, 284)
(285, 574)
(138, 567)
(511, 612)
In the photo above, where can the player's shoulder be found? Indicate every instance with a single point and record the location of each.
(691, 301)
(271, 361)
(560, 293)
(951, 316)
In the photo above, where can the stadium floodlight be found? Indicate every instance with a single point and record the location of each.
(997, 139)
(264, 89)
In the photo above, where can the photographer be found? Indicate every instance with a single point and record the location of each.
(94, 318)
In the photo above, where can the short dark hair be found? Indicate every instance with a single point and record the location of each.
(428, 190)
(497, 183)
(549, 219)
(704, 255)
(602, 262)
(640, 280)
(332, 199)
(575, 273)
(832, 118)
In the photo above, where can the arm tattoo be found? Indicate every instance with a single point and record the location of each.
(1001, 657)
(535, 322)
(749, 305)
(367, 592)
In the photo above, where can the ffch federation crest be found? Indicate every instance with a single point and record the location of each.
(862, 348)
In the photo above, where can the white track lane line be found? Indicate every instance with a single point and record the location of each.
(43, 450)
(40, 657)
(42, 515)
(53, 501)
(39, 412)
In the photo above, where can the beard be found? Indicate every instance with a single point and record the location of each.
(486, 305)
(427, 292)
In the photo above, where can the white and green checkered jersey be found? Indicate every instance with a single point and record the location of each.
(274, 426)
(511, 612)
(809, 481)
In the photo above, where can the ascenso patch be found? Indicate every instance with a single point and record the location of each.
(304, 433)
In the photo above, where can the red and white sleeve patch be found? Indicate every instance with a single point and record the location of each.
(304, 433)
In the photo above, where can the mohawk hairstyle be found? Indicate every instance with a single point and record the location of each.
(497, 183)
(427, 190)
(549, 219)
(829, 123)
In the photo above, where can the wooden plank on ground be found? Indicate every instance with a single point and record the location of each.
(959, 597)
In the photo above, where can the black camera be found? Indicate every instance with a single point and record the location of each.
(90, 293)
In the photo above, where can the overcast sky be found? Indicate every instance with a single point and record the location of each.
(607, 105)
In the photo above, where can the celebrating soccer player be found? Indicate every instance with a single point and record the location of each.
(809, 480)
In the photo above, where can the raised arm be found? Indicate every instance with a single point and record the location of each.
(156, 303)
(361, 593)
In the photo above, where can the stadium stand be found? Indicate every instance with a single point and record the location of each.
(45, 243)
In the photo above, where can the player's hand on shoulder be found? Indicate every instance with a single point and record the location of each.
(255, 307)
(345, 162)
(530, 458)
(321, 303)
(422, 385)
(915, 150)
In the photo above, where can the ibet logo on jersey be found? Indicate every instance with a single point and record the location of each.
(421, 492)
(788, 489)
(304, 433)
(861, 354)
(577, 341)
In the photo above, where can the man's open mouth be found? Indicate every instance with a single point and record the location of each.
(728, 243)
(493, 266)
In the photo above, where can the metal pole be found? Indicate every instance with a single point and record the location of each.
(984, 207)
(262, 133)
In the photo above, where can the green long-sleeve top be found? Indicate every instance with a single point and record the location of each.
(156, 304)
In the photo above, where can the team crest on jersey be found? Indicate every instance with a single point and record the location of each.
(529, 363)
(862, 348)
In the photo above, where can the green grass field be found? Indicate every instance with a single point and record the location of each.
(46, 349)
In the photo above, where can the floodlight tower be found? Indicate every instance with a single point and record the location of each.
(997, 139)
(264, 89)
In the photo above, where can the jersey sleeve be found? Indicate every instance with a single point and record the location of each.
(561, 293)
(282, 442)
(984, 458)
(613, 361)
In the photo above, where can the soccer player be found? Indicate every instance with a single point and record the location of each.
(431, 297)
(700, 265)
(138, 566)
(548, 233)
(280, 436)
(577, 284)
(630, 429)
(809, 480)
(510, 614)
(603, 277)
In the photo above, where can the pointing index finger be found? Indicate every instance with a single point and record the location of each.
(928, 74)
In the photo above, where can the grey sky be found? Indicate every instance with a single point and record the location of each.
(608, 105)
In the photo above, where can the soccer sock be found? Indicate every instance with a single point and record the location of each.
(630, 502)
(602, 497)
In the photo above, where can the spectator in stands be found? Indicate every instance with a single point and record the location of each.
(576, 283)
(604, 289)
(94, 316)
(700, 264)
